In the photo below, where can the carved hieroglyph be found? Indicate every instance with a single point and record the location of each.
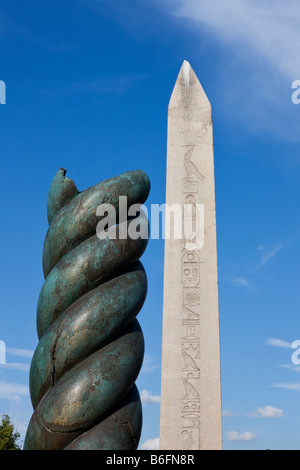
(191, 390)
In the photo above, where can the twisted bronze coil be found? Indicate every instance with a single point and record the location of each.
(91, 347)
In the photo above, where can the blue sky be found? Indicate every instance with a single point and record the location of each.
(88, 84)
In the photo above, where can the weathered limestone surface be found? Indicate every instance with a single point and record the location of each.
(191, 391)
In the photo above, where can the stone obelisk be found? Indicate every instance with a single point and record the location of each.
(191, 389)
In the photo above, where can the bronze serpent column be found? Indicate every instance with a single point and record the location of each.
(91, 347)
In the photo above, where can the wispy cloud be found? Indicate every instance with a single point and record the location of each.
(261, 59)
(115, 85)
(20, 352)
(148, 399)
(291, 367)
(288, 386)
(266, 255)
(243, 282)
(268, 412)
(13, 391)
(150, 444)
(227, 413)
(149, 365)
(22, 366)
(15, 366)
(240, 437)
(278, 343)
(250, 23)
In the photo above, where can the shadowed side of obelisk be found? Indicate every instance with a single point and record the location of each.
(190, 390)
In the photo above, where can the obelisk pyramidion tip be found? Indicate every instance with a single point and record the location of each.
(186, 73)
(188, 89)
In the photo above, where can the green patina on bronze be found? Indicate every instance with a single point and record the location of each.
(86, 326)
(77, 219)
(118, 431)
(91, 346)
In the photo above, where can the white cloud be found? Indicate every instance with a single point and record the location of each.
(149, 365)
(13, 391)
(24, 353)
(242, 282)
(287, 386)
(267, 254)
(15, 366)
(227, 413)
(268, 412)
(259, 45)
(147, 398)
(270, 33)
(243, 437)
(150, 444)
(20, 352)
(278, 343)
(291, 367)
